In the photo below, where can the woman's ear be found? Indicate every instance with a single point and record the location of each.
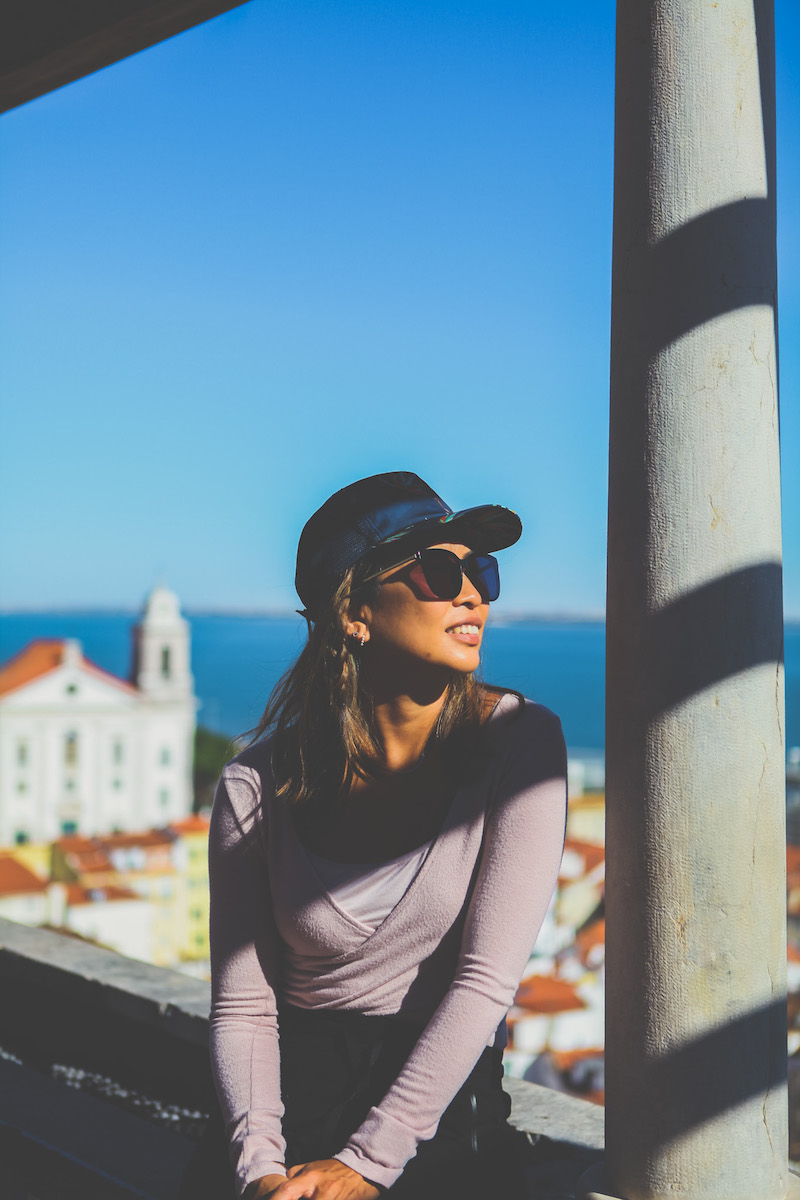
(358, 630)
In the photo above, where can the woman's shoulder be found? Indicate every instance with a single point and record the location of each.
(255, 757)
(524, 728)
(508, 709)
(247, 778)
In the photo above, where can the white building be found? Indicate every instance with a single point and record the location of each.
(82, 751)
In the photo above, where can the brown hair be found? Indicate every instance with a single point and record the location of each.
(321, 713)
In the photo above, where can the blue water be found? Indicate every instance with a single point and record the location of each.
(237, 659)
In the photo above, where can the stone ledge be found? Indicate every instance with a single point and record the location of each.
(555, 1116)
(174, 1003)
(565, 1133)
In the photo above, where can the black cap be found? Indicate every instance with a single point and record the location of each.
(385, 509)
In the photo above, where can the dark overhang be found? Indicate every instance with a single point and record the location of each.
(47, 43)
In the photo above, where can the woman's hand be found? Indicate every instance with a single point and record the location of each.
(328, 1179)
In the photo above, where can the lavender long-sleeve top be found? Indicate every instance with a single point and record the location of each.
(449, 955)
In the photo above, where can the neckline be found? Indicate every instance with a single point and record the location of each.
(364, 868)
(450, 819)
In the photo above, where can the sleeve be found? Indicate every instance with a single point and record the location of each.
(244, 969)
(518, 871)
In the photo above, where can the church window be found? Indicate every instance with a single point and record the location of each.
(117, 785)
(117, 752)
(68, 828)
(69, 784)
(166, 665)
(165, 756)
(22, 753)
(22, 785)
(164, 797)
(20, 837)
(71, 749)
(72, 689)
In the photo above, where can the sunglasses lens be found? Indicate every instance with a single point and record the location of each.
(442, 573)
(484, 572)
(439, 573)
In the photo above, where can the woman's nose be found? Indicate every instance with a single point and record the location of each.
(469, 596)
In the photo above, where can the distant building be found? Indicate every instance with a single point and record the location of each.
(83, 752)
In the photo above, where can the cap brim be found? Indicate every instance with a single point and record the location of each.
(486, 528)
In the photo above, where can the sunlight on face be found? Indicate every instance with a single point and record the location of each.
(408, 621)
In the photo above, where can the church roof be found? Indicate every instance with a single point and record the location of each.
(40, 657)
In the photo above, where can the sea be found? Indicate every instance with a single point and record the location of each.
(236, 660)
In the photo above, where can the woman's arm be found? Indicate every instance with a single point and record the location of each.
(244, 971)
(518, 872)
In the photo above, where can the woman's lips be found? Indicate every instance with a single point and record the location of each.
(468, 633)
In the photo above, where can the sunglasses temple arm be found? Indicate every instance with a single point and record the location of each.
(391, 567)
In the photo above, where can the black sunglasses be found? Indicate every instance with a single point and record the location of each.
(439, 574)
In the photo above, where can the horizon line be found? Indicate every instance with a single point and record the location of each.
(514, 616)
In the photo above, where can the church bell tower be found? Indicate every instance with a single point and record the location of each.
(161, 665)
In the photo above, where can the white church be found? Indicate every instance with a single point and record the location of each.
(84, 752)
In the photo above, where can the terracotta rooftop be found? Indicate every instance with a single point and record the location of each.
(38, 658)
(89, 860)
(148, 838)
(546, 994)
(590, 936)
(18, 880)
(192, 824)
(77, 894)
(793, 866)
(42, 656)
(592, 854)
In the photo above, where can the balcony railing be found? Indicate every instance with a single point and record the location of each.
(105, 1088)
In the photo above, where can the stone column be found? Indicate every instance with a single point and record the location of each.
(696, 1014)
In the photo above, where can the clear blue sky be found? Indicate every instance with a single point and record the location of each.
(306, 242)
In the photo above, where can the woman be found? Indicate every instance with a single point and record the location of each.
(380, 867)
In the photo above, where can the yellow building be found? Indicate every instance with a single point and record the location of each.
(192, 835)
(147, 863)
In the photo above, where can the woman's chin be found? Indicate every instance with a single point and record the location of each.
(465, 659)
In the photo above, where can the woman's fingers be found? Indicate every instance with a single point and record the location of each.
(328, 1179)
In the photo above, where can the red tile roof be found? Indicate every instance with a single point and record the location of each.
(123, 841)
(589, 937)
(192, 824)
(91, 861)
(17, 880)
(793, 865)
(77, 894)
(38, 658)
(546, 994)
(592, 854)
(42, 656)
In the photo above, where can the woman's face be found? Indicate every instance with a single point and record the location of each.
(407, 622)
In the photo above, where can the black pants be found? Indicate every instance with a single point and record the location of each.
(335, 1066)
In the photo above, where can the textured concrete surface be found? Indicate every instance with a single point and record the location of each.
(559, 1136)
(137, 990)
(555, 1116)
(695, 1078)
